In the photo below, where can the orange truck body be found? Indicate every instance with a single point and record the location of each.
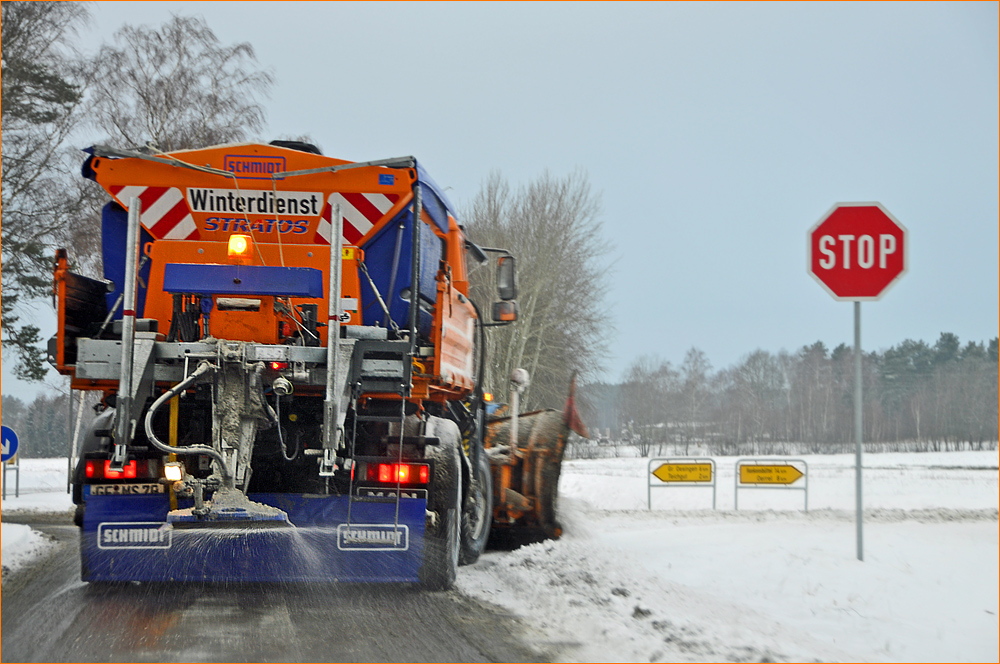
(189, 216)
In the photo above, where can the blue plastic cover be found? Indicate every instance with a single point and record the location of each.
(114, 229)
(215, 279)
(392, 246)
(388, 259)
(127, 538)
(435, 203)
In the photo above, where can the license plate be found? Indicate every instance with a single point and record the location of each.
(385, 492)
(124, 489)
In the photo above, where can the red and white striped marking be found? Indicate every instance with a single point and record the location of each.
(165, 213)
(361, 212)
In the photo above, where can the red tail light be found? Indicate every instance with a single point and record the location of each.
(402, 473)
(126, 473)
(96, 469)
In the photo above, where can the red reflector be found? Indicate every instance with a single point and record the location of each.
(406, 473)
(127, 473)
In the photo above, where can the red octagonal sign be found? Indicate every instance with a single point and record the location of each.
(857, 250)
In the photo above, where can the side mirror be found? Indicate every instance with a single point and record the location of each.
(505, 312)
(476, 253)
(506, 278)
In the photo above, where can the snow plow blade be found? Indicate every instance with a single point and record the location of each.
(526, 478)
(129, 538)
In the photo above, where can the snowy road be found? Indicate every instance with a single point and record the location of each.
(50, 615)
(680, 582)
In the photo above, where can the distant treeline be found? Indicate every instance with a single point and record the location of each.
(931, 397)
(936, 397)
(42, 424)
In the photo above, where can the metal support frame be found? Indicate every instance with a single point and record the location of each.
(124, 425)
(69, 440)
(760, 461)
(331, 404)
(415, 269)
(666, 485)
(170, 160)
(73, 443)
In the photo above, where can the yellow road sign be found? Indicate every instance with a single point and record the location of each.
(781, 474)
(684, 472)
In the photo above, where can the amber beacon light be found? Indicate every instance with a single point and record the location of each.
(239, 249)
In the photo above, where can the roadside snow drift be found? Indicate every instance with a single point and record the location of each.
(19, 544)
(770, 582)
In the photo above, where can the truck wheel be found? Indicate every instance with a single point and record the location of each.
(477, 513)
(442, 540)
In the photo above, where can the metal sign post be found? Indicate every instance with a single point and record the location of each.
(680, 471)
(759, 473)
(858, 429)
(857, 251)
(15, 465)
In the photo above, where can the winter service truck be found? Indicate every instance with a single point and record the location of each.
(290, 369)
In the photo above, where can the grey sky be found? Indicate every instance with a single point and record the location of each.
(718, 134)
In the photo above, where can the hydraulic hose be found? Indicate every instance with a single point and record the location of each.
(202, 369)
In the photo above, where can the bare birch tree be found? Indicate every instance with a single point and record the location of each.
(552, 227)
(651, 390)
(694, 394)
(169, 88)
(177, 87)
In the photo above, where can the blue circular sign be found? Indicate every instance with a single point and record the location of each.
(9, 444)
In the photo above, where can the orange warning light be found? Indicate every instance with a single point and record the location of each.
(239, 249)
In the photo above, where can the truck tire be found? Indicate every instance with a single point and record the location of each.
(442, 539)
(477, 513)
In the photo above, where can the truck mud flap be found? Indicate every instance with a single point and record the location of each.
(127, 538)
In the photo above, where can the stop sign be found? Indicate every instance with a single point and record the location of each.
(857, 250)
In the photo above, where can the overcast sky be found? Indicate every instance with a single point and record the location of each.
(718, 135)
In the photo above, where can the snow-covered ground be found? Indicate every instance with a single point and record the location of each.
(770, 582)
(42, 489)
(20, 545)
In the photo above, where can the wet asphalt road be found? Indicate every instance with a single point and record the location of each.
(48, 614)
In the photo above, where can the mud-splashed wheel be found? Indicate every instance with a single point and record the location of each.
(442, 539)
(477, 513)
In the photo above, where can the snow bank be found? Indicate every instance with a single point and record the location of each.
(19, 545)
(42, 489)
(770, 582)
